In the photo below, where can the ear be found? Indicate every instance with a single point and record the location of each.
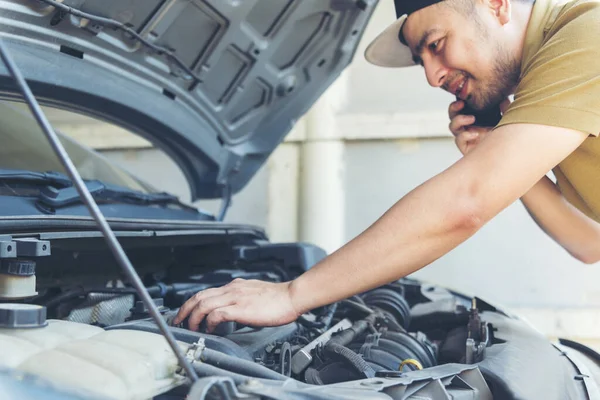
(501, 10)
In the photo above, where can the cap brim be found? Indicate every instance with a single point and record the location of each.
(386, 50)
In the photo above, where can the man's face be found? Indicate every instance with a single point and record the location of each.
(463, 51)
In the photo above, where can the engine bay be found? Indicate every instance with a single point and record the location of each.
(407, 339)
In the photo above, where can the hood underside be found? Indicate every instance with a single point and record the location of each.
(216, 84)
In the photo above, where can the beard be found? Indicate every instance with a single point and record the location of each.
(505, 76)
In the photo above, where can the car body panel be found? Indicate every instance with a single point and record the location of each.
(257, 68)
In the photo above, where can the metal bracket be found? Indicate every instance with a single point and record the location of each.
(32, 247)
(8, 248)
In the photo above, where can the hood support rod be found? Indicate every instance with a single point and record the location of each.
(87, 198)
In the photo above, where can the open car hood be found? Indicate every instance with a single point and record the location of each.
(215, 84)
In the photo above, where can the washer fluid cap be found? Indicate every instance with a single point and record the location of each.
(19, 316)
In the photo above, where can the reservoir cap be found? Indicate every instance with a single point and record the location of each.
(19, 316)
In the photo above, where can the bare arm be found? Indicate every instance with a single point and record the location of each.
(424, 225)
(440, 214)
(572, 229)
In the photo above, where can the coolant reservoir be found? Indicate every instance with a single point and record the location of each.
(17, 279)
(19, 316)
(114, 364)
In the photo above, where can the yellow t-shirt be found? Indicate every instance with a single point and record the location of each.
(560, 86)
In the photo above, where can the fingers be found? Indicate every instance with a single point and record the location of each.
(220, 315)
(467, 139)
(208, 306)
(463, 139)
(189, 305)
(206, 301)
(455, 107)
(460, 122)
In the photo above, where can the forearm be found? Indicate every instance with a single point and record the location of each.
(572, 229)
(438, 215)
(421, 227)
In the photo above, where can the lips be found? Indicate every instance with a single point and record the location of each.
(458, 87)
(462, 94)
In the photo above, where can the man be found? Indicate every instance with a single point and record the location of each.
(548, 56)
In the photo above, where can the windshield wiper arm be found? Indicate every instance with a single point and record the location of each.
(58, 190)
(66, 196)
(36, 178)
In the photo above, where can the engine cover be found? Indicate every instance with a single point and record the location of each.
(117, 364)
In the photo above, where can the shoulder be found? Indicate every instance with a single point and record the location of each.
(560, 86)
(571, 44)
(578, 16)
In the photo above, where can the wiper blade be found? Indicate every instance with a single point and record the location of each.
(33, 177)
(66, 196)
(59, 191)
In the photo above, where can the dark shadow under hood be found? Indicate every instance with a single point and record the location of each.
(215, 84)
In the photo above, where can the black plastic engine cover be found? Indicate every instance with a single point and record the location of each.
(527, 365)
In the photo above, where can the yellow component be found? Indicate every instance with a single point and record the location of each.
(410, 361)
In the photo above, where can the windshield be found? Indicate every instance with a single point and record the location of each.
(24, 147)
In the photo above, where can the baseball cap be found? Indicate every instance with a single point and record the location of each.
(386, 50)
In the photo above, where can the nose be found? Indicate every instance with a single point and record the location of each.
(435, 72)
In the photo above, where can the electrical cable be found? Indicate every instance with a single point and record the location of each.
(87, 198)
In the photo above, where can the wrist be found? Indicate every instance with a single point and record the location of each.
(298, 295)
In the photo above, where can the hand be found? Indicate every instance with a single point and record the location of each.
(468, 136)
(249, 302)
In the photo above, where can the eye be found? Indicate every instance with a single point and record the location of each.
(434, 46)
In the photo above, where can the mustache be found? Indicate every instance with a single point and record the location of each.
(460, 75)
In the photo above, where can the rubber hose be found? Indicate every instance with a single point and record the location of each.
(348, 335)
(422, 352)
(310, 324)
(153, 291)
(312, 377)
(391, 299)
(381, 357)
(328, 317)
(339, 352)
(209, 370)
(391, 322)
(75, 293)
(233, 364)
(397, 350)
(388, 300)
(334, 372)
(376, 367)
(358, 306)
(357, 299)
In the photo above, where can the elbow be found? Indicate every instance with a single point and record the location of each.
(589, 258)
(468, 216)
(470, 210)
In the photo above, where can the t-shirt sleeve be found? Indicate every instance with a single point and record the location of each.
(560, 84)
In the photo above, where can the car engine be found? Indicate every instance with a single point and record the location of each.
(404, 340)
